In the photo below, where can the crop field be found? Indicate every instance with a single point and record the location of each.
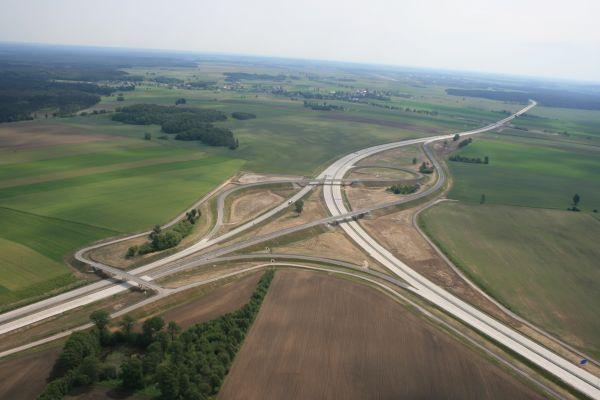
(60, 194)
(543, 264)
(282, 124)
(528, 172)
(318, 336)
(33, 251)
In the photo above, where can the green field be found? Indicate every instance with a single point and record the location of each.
(32, 251)
(543, 264)
(111, 181)
(528, 172)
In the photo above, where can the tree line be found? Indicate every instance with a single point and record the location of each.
(473, 160)
(188, 365)
(186, 122)
(242, 115)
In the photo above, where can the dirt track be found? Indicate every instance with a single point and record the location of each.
(319, 337)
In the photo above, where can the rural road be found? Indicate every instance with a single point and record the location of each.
(549, 361)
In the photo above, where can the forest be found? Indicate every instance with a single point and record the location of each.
(25, 90)
(186, 122)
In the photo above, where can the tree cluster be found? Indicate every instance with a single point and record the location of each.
(322, 106)
(464, 143)
(426, 168)
(186, 122)
(403, 189)
(188, 365)
(162, 240)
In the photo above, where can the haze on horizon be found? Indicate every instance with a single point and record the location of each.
(530, 37)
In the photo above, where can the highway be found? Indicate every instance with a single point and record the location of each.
(335, 175)
(527, 348)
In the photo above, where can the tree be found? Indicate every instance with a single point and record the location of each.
(414, 160)
(152, 358)
(482, 200)
(155, 231)
(180, 101)
(126, 324)
(132, 374)
(486, 160)
(79, 346)
(425, 168)
(100, 318)
(455, 137)
(151, 327)
(167, 382)
(173, 329)
(299, 206)
(576, 200)
(89, 370)
(131, 251)
(147, 136)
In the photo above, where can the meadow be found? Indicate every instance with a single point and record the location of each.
(57, 198)
(33, 250)
(527, 172)
(67, 182)
(101, 176)
(542, 264)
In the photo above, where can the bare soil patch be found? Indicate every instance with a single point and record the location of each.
(25, 377)
(331, 244)
(379, 172)
(362, 196)
(251, 205)
(398, 157)
(250, 177)
(32, 134)
(320, 337)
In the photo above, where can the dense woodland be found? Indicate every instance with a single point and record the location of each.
(188, 365)
(25, 90)
(186, 123)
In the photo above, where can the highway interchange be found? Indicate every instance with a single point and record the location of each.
(332, 179)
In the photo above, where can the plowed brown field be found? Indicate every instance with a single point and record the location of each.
(320, 337)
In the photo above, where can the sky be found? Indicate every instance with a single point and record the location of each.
(544, 38)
